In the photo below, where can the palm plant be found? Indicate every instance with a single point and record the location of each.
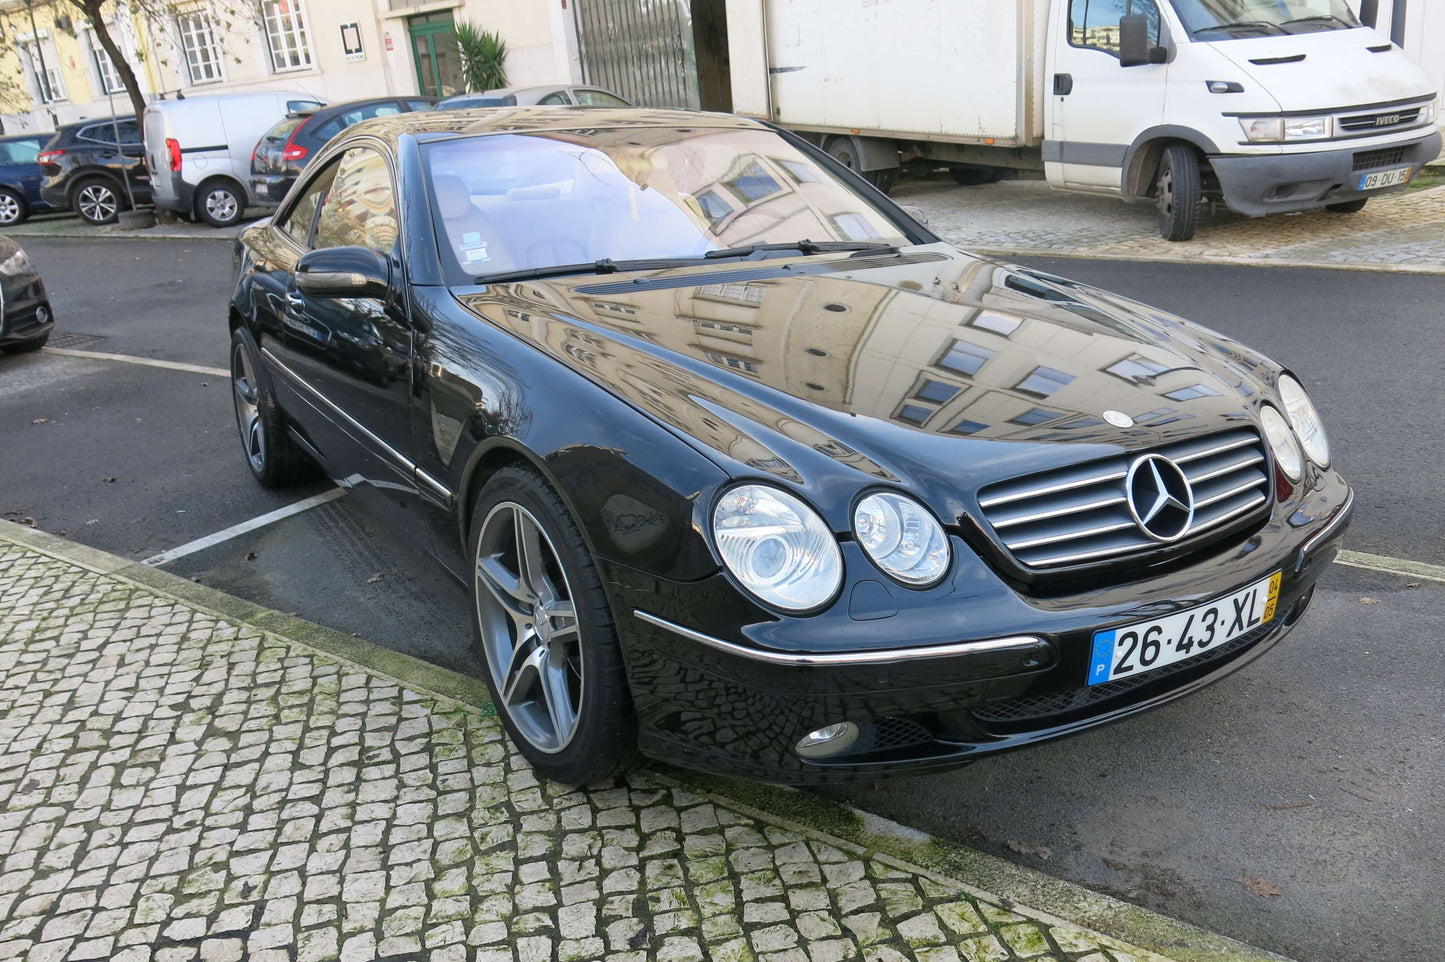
(484, 57)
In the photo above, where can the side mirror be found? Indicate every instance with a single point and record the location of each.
(916, 213)
(344, 272)
(1135, 50)
(1369, 12)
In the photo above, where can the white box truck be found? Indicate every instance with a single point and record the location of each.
(1267, 105)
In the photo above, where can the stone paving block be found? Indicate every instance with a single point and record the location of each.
(174, 787)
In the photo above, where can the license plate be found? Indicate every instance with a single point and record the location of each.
(1385, 178)
(1149, 645)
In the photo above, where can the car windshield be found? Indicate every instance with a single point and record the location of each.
(1226, 19)
(529, 201)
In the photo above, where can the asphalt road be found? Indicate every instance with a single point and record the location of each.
(1314, 772)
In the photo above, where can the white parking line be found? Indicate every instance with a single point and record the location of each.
(145, 361)
(1395, 566)
(271, 517)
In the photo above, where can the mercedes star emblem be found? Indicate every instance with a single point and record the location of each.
(1160, 498)
(1119, 419)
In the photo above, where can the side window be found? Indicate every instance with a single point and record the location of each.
(598, 98)
(297, 222)
(419, 105)
(19, 152)
(553, 100)
(129, 132)
(97, 134)
(1094, 24)
(360, 208)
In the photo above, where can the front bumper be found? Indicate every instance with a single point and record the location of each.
(1279, 183)
(716, 699)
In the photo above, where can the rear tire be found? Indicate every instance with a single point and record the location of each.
(1177, 192)
(97, 201)
(274, 459)
(843, 151)
(1348, 206)
(546, 634)
(219, 203)
(968, 175)
(13, 209)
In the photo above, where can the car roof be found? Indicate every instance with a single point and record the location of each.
(434, 125)
(33, 135)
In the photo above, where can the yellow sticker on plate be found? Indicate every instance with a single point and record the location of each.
(1273, 599)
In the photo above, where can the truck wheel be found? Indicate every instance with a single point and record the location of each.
(1348, 206)
(968, 175)
(842, 150)
(1177, 192)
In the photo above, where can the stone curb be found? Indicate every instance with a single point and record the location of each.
(1022, 890)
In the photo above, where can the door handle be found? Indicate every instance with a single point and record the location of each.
(295, 303)
(1063, 84)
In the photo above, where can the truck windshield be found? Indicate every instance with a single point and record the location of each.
(1226, 19)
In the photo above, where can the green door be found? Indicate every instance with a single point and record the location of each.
(434, 45)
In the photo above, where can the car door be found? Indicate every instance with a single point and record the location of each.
(19, 170)
(1095, 106)
(350, 357)
(133, 158)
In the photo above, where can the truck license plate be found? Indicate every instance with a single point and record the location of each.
(1385, 178)
(1134, 649)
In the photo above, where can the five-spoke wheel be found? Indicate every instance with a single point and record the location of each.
(545, 632)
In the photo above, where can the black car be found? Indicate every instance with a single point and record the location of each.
(25, 318)
(87, 165)
(20, 177)
(748, 471)
(284, 150)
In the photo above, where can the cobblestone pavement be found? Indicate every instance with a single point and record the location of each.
(176, 786)
(1405, 230)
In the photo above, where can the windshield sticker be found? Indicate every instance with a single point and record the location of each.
(472, 237)
(472, 253)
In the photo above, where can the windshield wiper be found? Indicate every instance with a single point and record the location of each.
(605, 265)
(1245, 24)
(803, 246)
(1318, 18)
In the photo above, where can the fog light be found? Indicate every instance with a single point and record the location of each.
(828, 740)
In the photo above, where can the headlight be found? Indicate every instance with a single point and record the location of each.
(902, 538)
(1305, 420)
(1282, 442)
(777, 547)
(1264, 130)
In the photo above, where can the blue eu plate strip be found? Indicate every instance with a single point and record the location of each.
(1103, 658)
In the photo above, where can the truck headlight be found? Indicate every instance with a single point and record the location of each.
(777, 547)
(1274, 130)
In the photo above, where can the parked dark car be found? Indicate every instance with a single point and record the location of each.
(550, 95)
(25, 318)
(284, 150)
(20, 177)
(85, 169)
(748, 471)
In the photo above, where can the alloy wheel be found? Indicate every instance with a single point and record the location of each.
(222, 205)
(97, 203)
(9, 209)
(248, 408)
(529, 628)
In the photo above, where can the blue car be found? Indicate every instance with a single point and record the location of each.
(20, 177)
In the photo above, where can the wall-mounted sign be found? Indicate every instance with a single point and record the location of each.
(351, 41)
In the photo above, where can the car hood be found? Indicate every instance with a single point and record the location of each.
(928, 368)
(1336, 69)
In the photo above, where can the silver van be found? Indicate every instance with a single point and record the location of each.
(199, 149)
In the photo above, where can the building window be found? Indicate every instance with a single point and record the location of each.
(936, 391)
(851, 226)
(1192, 392)
(104, 67)
(198, 43)
(966, 426)
(997, 323)
(913, 414)
(1160, 417)
(1043, 381)
(1035, 416)
(748, 295)
(286, 34)
(751, 182)
(49, 84)
(1136, 367)
(744, 364)
(964, 357)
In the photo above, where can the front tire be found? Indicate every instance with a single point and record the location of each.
(220, 204)
(1178, 192)
(843, 151)
(274, 459)
(1348, 206)
(12, 208)
(969, 175)
(546, 633)
(96, 201)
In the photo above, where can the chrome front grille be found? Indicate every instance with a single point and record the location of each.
(1080, 514)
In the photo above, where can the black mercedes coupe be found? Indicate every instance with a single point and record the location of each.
(25, 318)
(747, 470)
